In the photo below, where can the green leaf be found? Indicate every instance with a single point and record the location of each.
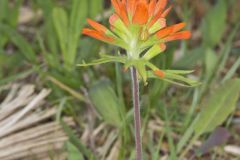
(96, 7)
(214, 28)
(141, 69)
(105, 59)
(232, 71)
(225, 53)
(76, 141)
(211, 60)
(182, 72)
(106, 102)
(154, 51)
(60, 21)
(17, 76)
(50, 57)
(219, 106)
(46, 6)
(77, 20)
(216, 110)
(9, 62)
(168, 129)
(175, 77)
(25, 48)
(73, 152)
(9, 13)
(14, 13)
(3, 40)
(191, 58)
(3, 9)
(49, 37)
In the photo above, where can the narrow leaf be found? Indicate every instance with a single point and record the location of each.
(77, 20)
(104, 59)
(218, 107)
(73, 152)
(18, 40)
(60, 21)
(106, 102)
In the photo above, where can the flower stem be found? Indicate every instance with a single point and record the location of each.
(137, 116)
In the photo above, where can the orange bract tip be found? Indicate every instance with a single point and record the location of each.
(116, 6)
(123, 13)
(166, 12)
(131, 6)
(97, 35)
(162, 22)
(164, 32)
(113, 18)
(151, 7)
(141, 14)
(159, 73)
(158, 11)
(161, 4)
(178, 27)
(159, 24)
(178, 36)
(170, 30)
(97, 26)
(163, 46)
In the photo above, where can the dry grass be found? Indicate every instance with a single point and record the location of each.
(27, 126)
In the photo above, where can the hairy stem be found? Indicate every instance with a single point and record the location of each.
(137, 116)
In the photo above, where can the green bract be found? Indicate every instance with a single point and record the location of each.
(171, 76)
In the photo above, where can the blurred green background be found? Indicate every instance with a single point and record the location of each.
(41, 43)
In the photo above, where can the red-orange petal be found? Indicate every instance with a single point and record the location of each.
(97, 26)
(141, 14)
(178, 36)
(159, 73)
(98, 35)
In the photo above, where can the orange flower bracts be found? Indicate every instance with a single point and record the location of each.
(143, 20)
(137, 26)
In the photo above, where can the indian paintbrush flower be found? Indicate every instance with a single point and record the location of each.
(139, 27)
